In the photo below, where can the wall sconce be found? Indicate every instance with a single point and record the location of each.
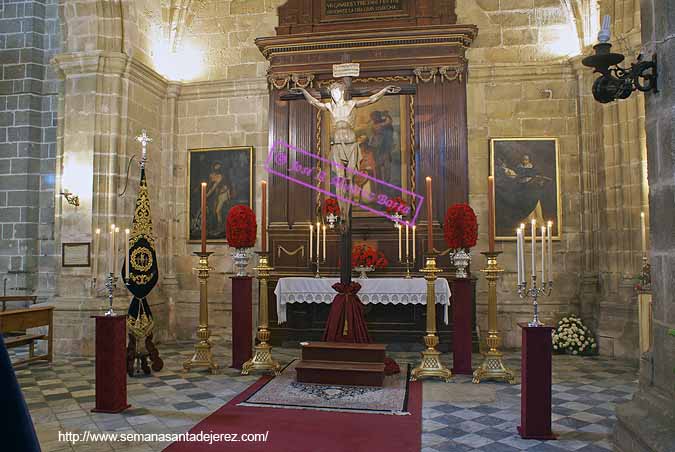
(72, 198)
(617, 82)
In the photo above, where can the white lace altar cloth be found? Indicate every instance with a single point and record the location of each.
(373, 290)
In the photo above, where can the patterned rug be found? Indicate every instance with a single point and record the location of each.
(284, 391)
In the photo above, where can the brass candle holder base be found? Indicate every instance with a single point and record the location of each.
(431, 365)
(203, 356)
(262, 360)
(493, 368)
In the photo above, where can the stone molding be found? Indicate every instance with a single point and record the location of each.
(99, 62)
(219, 89)
(483, 73)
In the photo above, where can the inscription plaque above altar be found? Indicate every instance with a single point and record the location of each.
(311, 16)
(362, 9)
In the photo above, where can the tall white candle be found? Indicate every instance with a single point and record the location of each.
(413, 243)
(549, 229)
(522, 252)
(111, 255)
(519, 237)
(534, 242)
(643, 234)
(318, 241)
(400, 243)
(407, 242)
(117, 231)
(543, 254)
(324, 241)
(126, 256)
(311, 243)
(97, 249)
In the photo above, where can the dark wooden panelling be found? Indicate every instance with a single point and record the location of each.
(386, 54)
(301, 130)
(278, 132)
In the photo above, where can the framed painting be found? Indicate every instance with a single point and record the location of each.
(384, 133)
(228, 173)
(527, 184)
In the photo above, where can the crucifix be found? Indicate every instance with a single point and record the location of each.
(144, 139)
(344, 147)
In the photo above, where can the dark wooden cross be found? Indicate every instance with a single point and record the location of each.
(346, 234)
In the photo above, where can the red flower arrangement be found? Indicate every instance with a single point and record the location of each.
(397, 205)
(460, 229)
(241, 227)
(330, 205)
(366, 256)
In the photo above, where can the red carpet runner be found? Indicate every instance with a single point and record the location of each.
(310, 430)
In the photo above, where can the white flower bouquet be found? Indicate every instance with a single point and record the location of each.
(571, 336)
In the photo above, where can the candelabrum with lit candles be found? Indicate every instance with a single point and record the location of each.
(110, 286)
(543, 286)
(317, 248)
(203, 356)
(406, 259)
(111, 280)
(262, 360)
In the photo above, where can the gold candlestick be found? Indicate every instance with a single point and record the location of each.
(492, 367)
(203, 356)
(431, 365)
(262, 356)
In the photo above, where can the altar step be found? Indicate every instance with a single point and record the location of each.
(341, 351)
(340, 373)
(342, 364)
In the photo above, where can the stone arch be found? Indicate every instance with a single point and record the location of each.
(107, 25)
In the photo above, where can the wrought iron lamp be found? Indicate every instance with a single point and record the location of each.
(71, 198)
(616, 82)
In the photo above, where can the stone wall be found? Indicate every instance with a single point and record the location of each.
(214, 114)
(526, 101)
(29, 37)
(646, 422)
(196, 80)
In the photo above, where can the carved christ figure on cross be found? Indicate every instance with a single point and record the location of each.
(344, 148)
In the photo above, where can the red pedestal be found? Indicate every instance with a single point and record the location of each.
(461, 324)
(111, 364)
(242, 327)
(535, 398)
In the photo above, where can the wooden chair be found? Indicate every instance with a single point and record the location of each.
(22, 319)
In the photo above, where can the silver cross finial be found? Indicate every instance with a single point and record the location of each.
(144, 139)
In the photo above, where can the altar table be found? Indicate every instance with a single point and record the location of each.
(373, 291)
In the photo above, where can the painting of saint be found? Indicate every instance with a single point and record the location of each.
(383, 135)
(228, 173)
(526, 183)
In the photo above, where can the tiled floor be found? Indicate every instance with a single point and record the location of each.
(457, 416)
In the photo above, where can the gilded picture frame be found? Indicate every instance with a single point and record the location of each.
(527, 184)
(228, 172)
(394, 115)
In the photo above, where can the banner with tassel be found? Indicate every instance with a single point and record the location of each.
(141, 279)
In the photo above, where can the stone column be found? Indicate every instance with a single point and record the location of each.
(170, 129)
(88, 163)
(611, 158)
(646, 422)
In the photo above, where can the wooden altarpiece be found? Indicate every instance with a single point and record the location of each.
(415, 45)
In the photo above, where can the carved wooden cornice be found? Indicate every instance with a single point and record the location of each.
(428, 74)
(286, 81)
(442, 35)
